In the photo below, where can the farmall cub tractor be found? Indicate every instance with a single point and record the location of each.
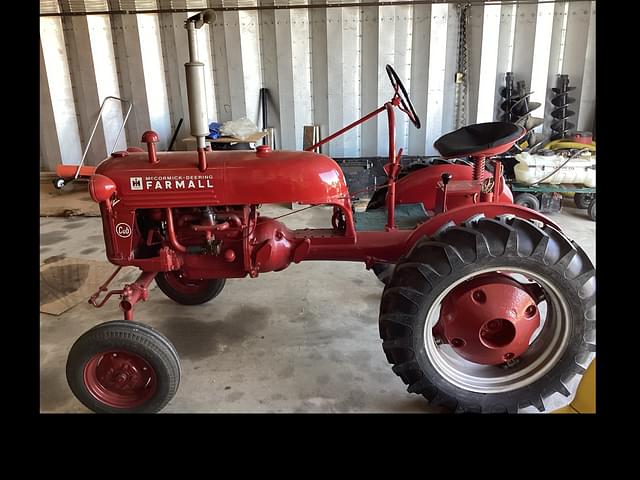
(487, 307)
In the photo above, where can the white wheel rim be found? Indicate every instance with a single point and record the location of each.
(546, 348)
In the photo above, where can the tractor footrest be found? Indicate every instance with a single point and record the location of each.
(407, 216)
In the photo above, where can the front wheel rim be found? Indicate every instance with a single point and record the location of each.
(120, 379)
(545, 350)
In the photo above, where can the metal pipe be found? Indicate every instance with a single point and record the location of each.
(232, 217)
(391, 190)
(211, 228)
(187, 218)
(175, 135)
(126, 117)
(193, 42)
(171, 233)
(95, 127)
(194, 70)
(345, 129)
(153, 158)
(202, 158)
(133, 293)
(263, 103)
(497, 186)
(104, 288)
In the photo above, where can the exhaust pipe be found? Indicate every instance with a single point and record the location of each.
(196, 97)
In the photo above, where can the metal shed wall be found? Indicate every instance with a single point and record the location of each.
(322, 66)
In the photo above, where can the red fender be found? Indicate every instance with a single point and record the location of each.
(420, 186)
(460, 214)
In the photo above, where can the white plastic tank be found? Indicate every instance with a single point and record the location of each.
(531, 169)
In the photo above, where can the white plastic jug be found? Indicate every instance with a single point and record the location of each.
(533, 168)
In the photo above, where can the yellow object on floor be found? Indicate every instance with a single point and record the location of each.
(585, 400)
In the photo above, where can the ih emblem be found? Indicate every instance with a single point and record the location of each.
(136, 183)
(123, 230)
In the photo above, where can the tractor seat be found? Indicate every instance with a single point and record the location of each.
(480, 139)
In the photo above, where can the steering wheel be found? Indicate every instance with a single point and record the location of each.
(401, 92)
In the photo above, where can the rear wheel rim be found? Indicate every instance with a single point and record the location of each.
(120, 379)
(545, 349)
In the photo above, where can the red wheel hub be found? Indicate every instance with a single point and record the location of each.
(489, 319)
(120, 379)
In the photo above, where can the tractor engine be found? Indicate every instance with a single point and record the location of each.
(213, 241)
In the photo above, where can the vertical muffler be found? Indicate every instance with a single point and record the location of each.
(196, 96)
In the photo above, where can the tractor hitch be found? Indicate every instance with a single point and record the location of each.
(131, 294)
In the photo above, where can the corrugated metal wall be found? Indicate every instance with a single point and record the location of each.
(322, 66)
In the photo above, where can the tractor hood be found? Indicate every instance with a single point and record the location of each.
(231, 178)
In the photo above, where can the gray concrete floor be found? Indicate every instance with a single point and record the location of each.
(302, 340)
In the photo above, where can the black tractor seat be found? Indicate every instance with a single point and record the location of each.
(478, 138)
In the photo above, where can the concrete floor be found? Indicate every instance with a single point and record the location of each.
(302, 340)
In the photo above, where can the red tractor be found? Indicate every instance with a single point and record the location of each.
(489, 308)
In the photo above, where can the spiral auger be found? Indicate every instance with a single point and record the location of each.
(561, 100)
(510, 96)
(517, 106)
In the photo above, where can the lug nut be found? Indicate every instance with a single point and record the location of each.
(479, 296)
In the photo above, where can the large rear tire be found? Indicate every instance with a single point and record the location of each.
(554, 359)
(383, 271)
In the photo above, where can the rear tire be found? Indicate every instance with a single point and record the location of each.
(383, 271)
(528, 200)
(424, 277)
(188, 292)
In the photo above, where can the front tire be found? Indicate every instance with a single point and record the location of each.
(551, 364)
(123, 367)
(186, 291)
